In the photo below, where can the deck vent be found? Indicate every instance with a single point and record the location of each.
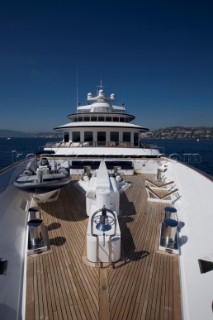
(3, 266)
(169, 234)
(37, 232)
(205, 266)
(160, 174)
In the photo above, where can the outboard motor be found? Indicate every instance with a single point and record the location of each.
(44, 162)
(63, 170)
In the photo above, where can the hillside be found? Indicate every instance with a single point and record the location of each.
(20, 134)
(182, 133)
(13, 133)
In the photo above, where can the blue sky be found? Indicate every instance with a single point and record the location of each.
(156, 56)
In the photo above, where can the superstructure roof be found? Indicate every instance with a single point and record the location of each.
(93, 124)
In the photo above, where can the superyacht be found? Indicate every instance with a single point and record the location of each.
(128, 236)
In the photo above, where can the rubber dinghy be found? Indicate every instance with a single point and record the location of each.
(43, 180)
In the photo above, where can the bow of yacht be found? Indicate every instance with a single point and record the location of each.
(128, 237)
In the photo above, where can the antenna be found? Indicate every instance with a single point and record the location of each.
(77, 97)
(100, 85)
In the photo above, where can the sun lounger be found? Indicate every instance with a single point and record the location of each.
(163, 196)
(158, 185)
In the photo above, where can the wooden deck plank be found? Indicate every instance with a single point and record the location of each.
(82, 277)
(161, 301)
(140, 308)
(166, 308)
(176, 291)
(104, 310)
(170, 292)
(143, 285)
(44, 292)
(30, 307)
(58, 289)
(35, 285)
(79, 297)
(49, 289)
(153, 293)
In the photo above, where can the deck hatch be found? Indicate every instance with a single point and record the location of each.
(205, 266)
(3, 266)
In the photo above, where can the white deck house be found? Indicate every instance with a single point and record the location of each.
(101, 124)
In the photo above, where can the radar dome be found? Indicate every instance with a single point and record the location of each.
(101, 91)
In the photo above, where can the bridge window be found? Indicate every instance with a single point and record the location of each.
(114, 136)
(101, 137)
(126, 136)
(66, 136)
(135, 139)
(88, 136)
(86, 118)
(76, 136)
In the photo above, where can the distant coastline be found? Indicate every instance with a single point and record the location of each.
(201, 133)
(188, 133)
(20, 134)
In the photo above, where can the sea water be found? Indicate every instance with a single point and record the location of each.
(195, 153)
(16, 149)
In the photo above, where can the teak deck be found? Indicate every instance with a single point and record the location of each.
(143, 285)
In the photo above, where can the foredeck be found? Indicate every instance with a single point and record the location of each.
(143, 285)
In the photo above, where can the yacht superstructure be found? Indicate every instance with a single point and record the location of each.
(102, 129)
